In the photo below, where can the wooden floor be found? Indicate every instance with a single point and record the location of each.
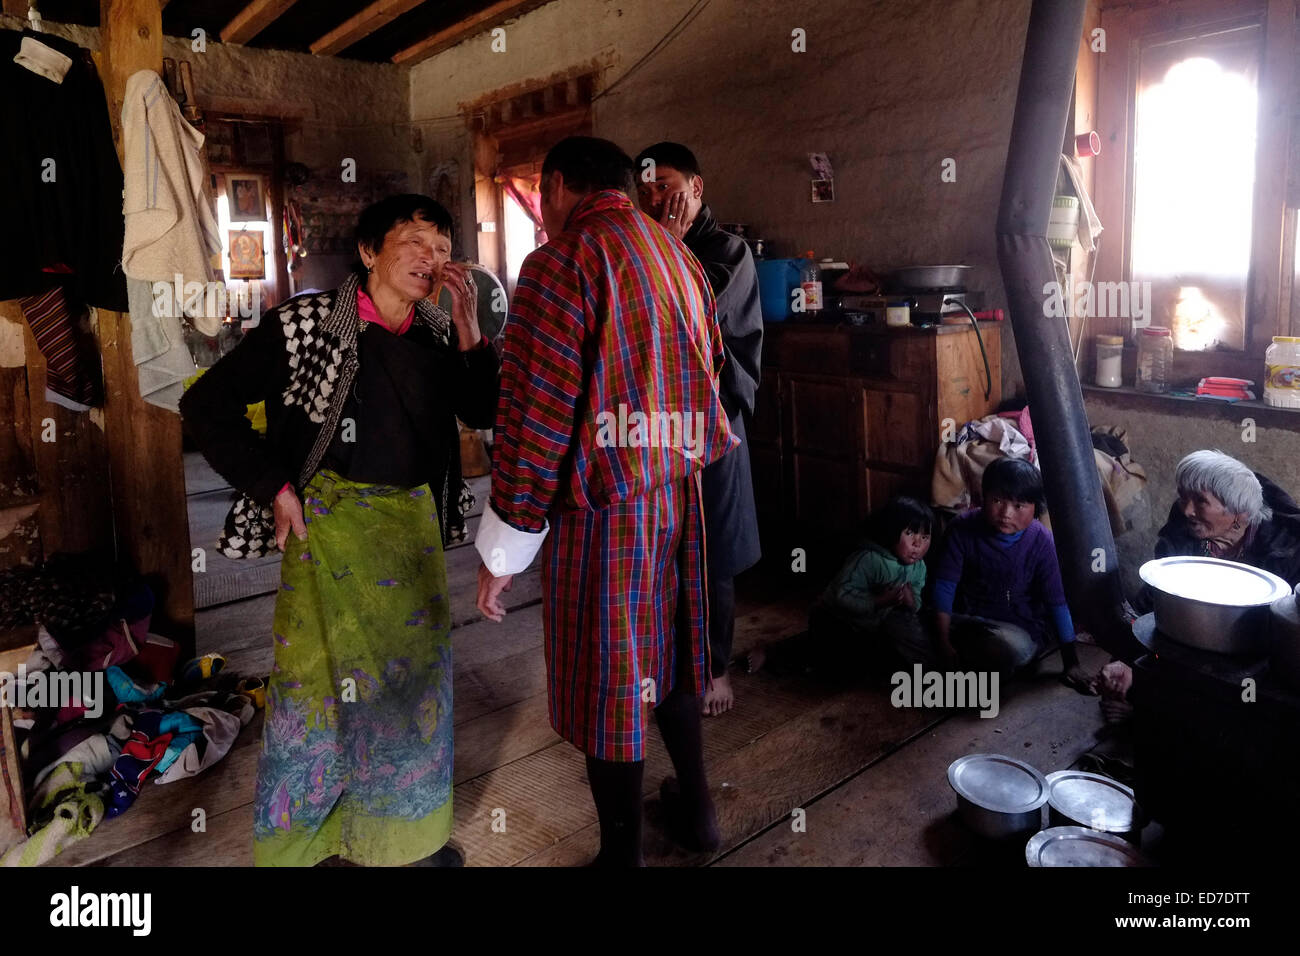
(870, 778)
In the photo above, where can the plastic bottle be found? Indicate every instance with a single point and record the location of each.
(1155, 359)
(1282, 363)
(810, 280)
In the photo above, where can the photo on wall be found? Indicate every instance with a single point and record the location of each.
(247, 197)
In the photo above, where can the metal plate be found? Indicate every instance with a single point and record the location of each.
(998, 783)
(1079, 846)
(1092, 800)
(1214, 581)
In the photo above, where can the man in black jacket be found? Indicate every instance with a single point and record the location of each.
(671, 189)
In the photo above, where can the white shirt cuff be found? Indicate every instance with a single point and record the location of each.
(506, 550)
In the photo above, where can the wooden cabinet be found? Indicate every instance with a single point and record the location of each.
(848, 417)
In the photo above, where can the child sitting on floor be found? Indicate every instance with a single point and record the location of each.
(997, 582)
(867, 615)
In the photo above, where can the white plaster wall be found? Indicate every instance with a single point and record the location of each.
(888, 88)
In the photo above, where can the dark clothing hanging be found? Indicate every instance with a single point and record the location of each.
(729, 517)
(62, 221)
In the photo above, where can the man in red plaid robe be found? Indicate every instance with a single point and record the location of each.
(608, 412)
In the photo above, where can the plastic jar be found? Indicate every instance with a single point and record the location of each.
(1155, 359)
(1110, 361)
(898, 313)
(1282, 379)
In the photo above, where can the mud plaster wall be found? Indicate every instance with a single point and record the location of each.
(1159, 439)
(887, 89)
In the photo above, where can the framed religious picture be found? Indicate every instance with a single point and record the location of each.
(246, 195)
(247, 259)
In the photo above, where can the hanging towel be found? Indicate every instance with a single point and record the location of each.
(170, 226)
(162, 359)
(72, 365)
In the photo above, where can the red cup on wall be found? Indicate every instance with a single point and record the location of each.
(1088, 144)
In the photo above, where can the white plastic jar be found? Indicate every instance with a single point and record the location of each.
(1282, 372)
(1110, 360)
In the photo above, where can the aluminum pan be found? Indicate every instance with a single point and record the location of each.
(998, 783)
(1079, 846)
(1092, 800)
(1194, 578)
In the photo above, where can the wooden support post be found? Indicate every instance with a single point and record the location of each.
(144, 441)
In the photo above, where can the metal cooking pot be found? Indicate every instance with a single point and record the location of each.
(1076, 798)
(1284, 636)
(933, 277)
(1213, 605)
(998, 797)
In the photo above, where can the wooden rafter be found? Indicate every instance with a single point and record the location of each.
(253, 19)
(378, 14)
(485, 19)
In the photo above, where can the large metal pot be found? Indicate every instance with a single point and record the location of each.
(998, 797)
(1213, 605)
(1284, 638)
(932, 277)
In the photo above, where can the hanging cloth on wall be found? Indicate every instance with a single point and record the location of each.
(170, 226)
(61, 204)
(73, 375)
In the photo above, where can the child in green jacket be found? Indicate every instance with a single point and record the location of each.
(867, 615)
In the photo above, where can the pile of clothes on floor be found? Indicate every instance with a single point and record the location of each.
(959, 465)
(102, 705)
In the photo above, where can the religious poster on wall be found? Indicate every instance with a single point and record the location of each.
(247, 257)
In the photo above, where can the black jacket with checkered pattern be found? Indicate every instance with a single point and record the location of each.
(300, 360)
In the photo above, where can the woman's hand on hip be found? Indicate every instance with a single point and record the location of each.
(458, 279)
(288, 515)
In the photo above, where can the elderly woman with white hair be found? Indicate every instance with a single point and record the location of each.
(1225, 510)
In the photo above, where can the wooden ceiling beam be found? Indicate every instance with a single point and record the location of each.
(253, 19)
(476, 23)
(356, 28)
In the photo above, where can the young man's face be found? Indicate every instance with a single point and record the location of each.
(669, 181)
(1008, 516)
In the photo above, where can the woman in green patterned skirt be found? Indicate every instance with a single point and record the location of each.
(358, 483)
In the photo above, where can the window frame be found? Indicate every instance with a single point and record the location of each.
(1268, 289)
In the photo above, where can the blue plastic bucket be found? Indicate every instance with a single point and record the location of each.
(776, 279)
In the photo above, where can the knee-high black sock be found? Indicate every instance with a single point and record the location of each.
(678, 717)
(616, 788)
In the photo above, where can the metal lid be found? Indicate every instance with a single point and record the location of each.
(1214, 581)
(1079, 846)
(1092, 800)
(1110, 340)
(1155, 330)
(998, 783)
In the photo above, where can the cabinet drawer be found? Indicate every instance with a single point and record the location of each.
(894, 424)
(827, 495)
(822, 416)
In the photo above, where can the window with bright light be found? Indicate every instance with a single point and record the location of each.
(1193, 183)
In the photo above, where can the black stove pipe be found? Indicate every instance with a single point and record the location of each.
(1084, 544)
